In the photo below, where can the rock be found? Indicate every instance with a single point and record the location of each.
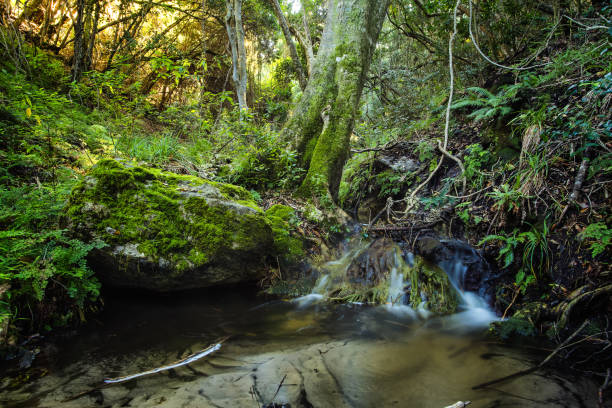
(428, 285)
(399, 164)
(448, 254)
(170, 232)
(425, 283)
(368, 208)
(373, 265)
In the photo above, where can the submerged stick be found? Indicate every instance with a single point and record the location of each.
(187, 360)
(460, 404)
(532, 369)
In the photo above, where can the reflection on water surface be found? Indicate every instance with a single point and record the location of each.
(328, 355)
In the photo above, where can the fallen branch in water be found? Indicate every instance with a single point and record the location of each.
(187, 360)
(279, 387)
(531, 370)
(460, 404)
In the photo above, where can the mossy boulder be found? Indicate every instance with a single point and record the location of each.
(170, 232)
(429, 285)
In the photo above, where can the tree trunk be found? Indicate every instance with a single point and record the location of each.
(322, 122)
(79, 44)
(307, 41)
(204, 63)
(297, 64)
(88, 63)
(235, 33)
(130, 32)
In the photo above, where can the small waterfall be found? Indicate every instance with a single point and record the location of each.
(396, 300)
(396, 284)
(474, 310)
(329, 270)
(371, 261)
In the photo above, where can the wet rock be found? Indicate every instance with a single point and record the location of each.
(465, 264)
(534, 312)
(374, 264)
(429, 286)
(370, 273)
(369, 208)
(169, 232)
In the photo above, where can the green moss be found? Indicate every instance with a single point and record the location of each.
(281, 211)
(356, 293)
(168, 216)
(235, 192)
(432, 282)
(280, 219)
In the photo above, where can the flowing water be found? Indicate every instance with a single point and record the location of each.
(306, 353)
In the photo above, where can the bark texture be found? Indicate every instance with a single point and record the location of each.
(235, 33)
(322, 122)
(79, 41)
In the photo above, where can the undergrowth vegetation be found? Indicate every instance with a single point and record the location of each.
(532, 189)
(54, 130)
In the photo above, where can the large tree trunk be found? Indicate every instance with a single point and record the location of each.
(322, 122)
(297, 64)
(235, 32)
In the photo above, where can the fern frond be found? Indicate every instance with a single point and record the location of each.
(481, 91)
(468, 103)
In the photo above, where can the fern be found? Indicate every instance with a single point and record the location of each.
(600, 235)
(477, 90)
(491, 105)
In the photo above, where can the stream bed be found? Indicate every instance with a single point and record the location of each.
(324, 355)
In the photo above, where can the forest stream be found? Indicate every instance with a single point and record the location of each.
(305, 352)
(178, 180)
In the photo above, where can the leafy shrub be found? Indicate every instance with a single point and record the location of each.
(473, 162)
(266, 164)
(44, 268)
(389, 182)
(536, 256)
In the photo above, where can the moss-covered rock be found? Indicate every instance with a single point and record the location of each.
(368, 278)
(281, 219)
(430, 286)
(168, 232)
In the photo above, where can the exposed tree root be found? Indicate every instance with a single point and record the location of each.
(566, 309)
(411, 199)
